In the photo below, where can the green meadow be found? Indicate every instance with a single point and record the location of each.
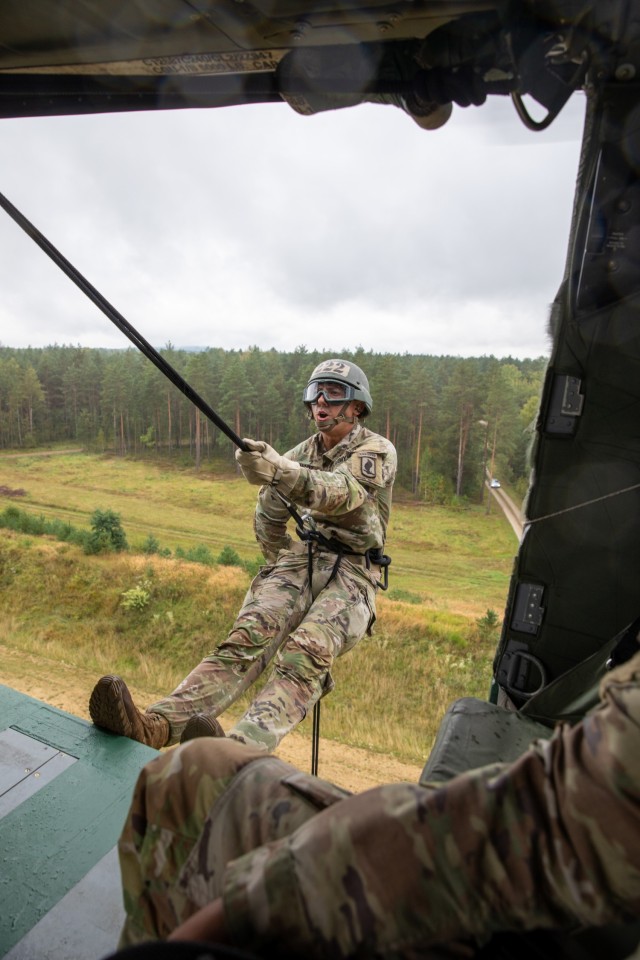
(153, 617)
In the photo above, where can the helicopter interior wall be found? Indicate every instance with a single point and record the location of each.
(575, 582)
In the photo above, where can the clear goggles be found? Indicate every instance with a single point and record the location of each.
(333, 391)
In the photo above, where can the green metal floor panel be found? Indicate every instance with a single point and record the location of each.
(84, 925)
(59, 830)
(26, 766)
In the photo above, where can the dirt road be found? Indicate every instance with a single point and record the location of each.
(68, 687)
(509, 508)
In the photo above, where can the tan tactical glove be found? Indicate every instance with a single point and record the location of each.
(263, 464)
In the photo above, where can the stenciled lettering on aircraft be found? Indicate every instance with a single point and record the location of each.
(245, 61)
(617, 240)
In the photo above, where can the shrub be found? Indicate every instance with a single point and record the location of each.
(404, 596)
(150, 545)
(199, 554)
(137, 598)
(435, 489)
(11, 517)
(22, 522)
(228, 557)
(107, 533)
(488, 624)
(253, 566)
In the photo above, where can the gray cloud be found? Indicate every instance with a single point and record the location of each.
(256, 226)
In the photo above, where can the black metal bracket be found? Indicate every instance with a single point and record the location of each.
(527, 608)
(565, 406)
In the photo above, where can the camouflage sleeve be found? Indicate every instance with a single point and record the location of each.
(270, 524)
(548, 841)
(325, 494)
(370, 469)
(271, 517)
(364, 480)
(328, 494)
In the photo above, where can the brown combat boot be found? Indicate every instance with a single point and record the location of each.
(112, 708)
(201, 726)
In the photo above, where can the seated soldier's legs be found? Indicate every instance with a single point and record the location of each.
(194, 809)
(337, 620)
(274, 605)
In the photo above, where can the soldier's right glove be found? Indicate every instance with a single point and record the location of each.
(262, 464)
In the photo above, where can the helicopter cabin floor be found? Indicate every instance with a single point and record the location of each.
(65, 788)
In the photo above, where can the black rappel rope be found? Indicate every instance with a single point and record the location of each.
(121, 323)
(307, 537)
(159, 361)
(315, 738)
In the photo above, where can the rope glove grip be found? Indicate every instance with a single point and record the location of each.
(262, 464)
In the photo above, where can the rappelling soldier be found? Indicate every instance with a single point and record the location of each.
(315, 598)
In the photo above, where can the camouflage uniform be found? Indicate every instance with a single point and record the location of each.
(401, 871)
(347, 492)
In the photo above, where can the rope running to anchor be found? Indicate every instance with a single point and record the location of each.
(579, 506)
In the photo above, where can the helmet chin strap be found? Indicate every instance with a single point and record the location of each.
(332, 421)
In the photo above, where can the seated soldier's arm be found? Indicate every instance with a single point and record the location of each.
(208, 925)
(546, 842)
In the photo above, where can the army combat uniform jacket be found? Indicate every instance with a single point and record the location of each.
(401, 871)
(346, 490)
(301, 622)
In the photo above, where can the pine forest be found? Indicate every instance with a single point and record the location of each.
(453, 420)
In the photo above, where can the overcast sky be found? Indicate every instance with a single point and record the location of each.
(255, 226)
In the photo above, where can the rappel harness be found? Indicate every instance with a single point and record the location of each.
(307, 530)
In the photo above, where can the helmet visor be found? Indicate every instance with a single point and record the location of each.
(333, 391)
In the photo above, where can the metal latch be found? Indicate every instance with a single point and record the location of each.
(527, 608)
(566, 405)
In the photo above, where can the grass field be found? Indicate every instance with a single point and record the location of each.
(451, 559)
(430, 646)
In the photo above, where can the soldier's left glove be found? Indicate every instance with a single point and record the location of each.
(262, 464)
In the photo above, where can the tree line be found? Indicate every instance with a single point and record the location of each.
(451, 419)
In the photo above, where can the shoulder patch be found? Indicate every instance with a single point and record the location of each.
(366, 465)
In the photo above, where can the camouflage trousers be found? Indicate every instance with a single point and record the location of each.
(305, 627)
(196, 808)
(551, 841)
